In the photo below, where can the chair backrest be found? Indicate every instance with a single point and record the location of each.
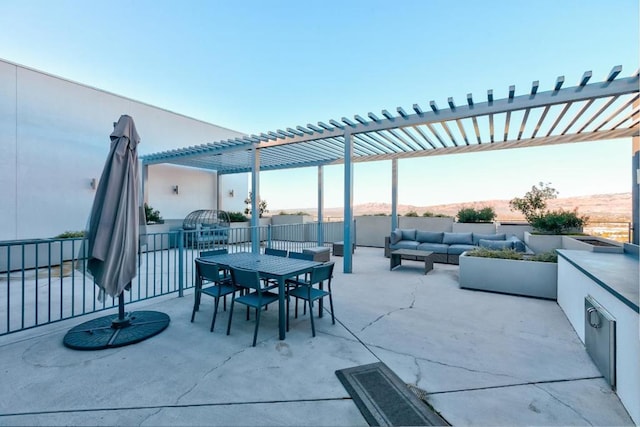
(276, 252)
(322, 272)
(301, 255)
(207, 271)
(246, 278)
(213, 252)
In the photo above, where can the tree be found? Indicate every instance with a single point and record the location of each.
(262, 205)
(534, 203)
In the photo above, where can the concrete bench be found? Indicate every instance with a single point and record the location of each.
(320, 253)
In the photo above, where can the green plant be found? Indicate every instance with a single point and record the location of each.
(534, 208)
(496, 253)
(70, 235)
(558, 222)
(550, 256)
(428, 214)
(152, 216)
(262, 205)
(534, 202)
(411, 214)
(486, 214)
(237, 217)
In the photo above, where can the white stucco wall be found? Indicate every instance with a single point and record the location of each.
(54, 138)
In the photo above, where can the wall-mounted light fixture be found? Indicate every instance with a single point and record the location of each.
(175, 189)
(230, 193)
(92, 183)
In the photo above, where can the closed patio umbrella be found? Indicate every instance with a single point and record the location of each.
(112, 245)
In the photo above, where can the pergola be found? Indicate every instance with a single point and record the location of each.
(603, 110)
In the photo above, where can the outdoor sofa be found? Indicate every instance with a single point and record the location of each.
(448, 246)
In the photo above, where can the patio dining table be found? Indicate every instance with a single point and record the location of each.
(269, 267)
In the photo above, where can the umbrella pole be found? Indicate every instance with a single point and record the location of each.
(123, 320)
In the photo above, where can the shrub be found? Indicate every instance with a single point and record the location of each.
(558, 222)
(495, 253)
(486, 214)
(534, 208)
(411, 214)
(152, 216)
(237, 217)
(512, 254)
(551, 256)
(70, 235)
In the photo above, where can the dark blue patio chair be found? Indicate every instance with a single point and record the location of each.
(305, 290)
(221, 286)
(275, 252)
(259, 295)
(213, 252)
(301, 255)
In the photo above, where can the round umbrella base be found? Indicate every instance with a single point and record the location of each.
(110, 331)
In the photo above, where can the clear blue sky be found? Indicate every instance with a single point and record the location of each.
(255, 66)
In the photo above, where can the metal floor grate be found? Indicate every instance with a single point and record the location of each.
(384, 399)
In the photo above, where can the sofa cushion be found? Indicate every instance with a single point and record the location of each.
(477, 237)
(495, 244)
(408, 233)
(518, 244)
(438, 248)
(404, 244)
(458, 249)
(457, 238)
(429, 237)
(396, 236)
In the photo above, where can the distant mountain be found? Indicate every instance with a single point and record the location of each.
(610, 207)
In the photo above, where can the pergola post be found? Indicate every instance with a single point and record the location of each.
(255, 195)
(348, 203)
(320, 204)
(635, 190)
(144, 184)
(394, 194)
(218, 197)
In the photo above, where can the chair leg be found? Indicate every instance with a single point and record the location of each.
(333, 318)
(313, 327)
(255, 332)
(195, 307)
(215, 312)
(230, 315)
(287, 298)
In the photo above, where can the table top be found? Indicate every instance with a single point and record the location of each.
(412, 252)
(269, 265)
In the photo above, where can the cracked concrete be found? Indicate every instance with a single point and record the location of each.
(482, 359)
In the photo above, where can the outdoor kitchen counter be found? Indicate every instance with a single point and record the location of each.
(609, 280)
(616, 273)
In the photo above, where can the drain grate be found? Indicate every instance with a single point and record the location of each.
(384, 399)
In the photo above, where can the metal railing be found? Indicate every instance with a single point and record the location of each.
(43, 281)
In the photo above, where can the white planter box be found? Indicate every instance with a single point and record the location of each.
(516, 229)
(582, 243)
(539, 243)
(474, 227)
(528, 278)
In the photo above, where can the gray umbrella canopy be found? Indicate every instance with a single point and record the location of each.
(112, 234)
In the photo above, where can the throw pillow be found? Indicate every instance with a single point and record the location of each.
(518, 244)
(457, 238)
(408, 234)
(477, 237)
(396, 236)
(496, 244)
(429, 237)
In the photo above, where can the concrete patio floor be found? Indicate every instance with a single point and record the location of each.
(482, 358)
